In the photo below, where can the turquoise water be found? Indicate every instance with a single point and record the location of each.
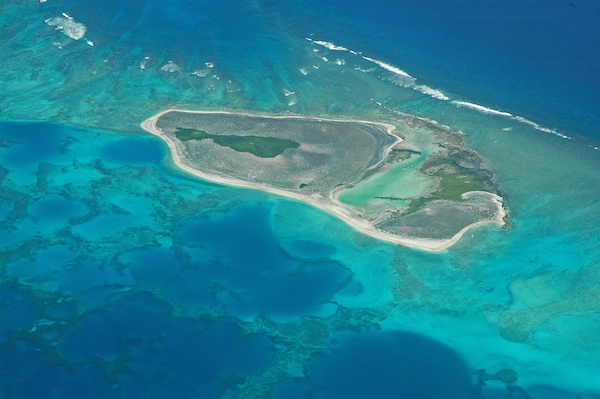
(121, 273)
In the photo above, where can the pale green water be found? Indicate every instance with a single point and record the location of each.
(401, 181)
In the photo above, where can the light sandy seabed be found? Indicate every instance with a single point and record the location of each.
(329, 204)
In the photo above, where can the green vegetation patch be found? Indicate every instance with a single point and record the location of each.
(452, 186)
(264, 147)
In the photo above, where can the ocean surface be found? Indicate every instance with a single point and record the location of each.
(121, 276)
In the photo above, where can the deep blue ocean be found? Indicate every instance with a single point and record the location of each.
(121, 276)
(538, 59)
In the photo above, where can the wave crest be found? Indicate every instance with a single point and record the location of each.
(67, 25)
(408, 81)
(481, 108)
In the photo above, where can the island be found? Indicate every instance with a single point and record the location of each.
(418, 187)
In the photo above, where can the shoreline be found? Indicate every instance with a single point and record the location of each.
(327, 204)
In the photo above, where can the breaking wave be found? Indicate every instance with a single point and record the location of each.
(170, 67)
(432, 92)
(388, 67)
(481, 108)
(407, 79)
(410, 82)
(67, 25)
(491, 111)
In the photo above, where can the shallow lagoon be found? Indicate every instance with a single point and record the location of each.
(180, 257)
(84, 295)
(85, 309)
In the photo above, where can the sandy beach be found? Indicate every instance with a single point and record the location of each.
(328, 204)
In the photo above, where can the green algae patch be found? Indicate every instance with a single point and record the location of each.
(458, 171)
(264, 147)
(453, 185)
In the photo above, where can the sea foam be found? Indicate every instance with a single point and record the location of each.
(407, 79)
(481, 108)
(388, 67)
(170, 67)
(332, 46)
(541, 128)
(328, 45)
(200, 73)
(432, 92)
(67, 25)
(491, 111)
(410, 81)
